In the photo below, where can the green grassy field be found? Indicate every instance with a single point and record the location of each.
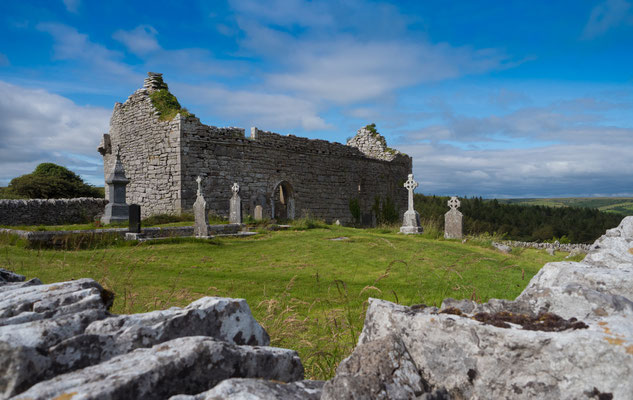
(308, 290)
(620, 205)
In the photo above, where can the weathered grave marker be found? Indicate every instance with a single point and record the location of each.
(116, 210)
(259, 213)
(235, 215)
(201, 227)
(453, 220)
(411, 220)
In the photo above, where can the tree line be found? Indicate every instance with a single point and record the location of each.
(516, 222)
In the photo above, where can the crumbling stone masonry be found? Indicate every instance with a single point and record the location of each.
(286, 175)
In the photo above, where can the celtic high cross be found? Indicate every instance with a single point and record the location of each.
(235, 188)
(199, 180)
(410, 185)
(454, 203)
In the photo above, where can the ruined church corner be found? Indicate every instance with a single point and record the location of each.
(164, 148)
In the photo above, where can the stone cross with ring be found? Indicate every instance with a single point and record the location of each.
(454, 203)
(235, 188)
(410, 185)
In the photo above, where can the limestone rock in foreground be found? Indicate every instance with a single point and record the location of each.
(35, 302)
(186, 365)
(472, 359)
(35, 317)
(258, 389)
(224, 319)
(8, 276)
(380, 369)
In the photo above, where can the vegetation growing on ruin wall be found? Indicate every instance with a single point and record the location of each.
(167, 104)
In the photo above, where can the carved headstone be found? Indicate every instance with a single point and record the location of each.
(116, 210)
(453, 220)
(201, 226)
(411, 220)
(135, 219)
(235, 215)
(259, 213)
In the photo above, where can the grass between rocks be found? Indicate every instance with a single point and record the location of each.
(307, 289)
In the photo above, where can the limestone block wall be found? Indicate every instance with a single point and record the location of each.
(50, 211)
(323, 176)
(163, 158)
(150, 153)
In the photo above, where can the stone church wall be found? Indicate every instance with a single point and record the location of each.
(150, 153)
(163, 159)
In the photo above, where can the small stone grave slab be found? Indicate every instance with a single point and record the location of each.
(453, 220)
(258, 214)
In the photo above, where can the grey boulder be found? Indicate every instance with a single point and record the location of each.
(224, 319)
(379, 369)
(472, 359)
(258, 389)
(186, 365)
(7, 276)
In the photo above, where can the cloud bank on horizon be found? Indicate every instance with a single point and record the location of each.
(490, 99)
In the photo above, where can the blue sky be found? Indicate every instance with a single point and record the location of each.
(490, 98)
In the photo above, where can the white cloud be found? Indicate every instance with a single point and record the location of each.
(578, 170)
(72, 5)
(250, 108)
(344, 68)
(72, 45)
(140, 41)
(607, 15)
(37, 126)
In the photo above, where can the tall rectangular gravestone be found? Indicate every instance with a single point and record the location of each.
(201, 224)
(235, 209)
(453, 220)
(135, 219)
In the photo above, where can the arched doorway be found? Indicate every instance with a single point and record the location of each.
(283, 201)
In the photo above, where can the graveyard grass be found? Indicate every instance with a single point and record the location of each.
(309, 291)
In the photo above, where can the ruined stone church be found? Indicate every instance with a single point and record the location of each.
(288, 176)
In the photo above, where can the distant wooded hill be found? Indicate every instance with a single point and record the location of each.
(620, 205)
(527, 222)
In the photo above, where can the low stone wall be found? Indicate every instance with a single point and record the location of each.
(50, 211)
(568, 247)
(53, 238)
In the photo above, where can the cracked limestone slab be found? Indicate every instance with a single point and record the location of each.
(186, 365)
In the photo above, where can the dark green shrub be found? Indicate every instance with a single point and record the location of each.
(52, 181)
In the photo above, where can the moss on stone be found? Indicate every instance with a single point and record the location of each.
(167, 104)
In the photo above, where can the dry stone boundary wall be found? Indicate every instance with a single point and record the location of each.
(567, 247)
(50, 211)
